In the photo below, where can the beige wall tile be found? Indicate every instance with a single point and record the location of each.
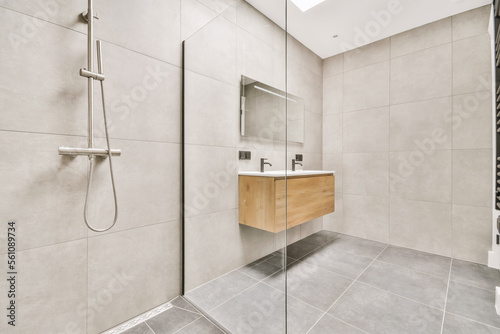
(366, 130)
(255, 58)
(366, 174)
(194, 15)
(471, 64)
(472, 121)
(130, 279)
(472, 177)
(367, 55)
(313, 133)
(367, 87)
(52, 289)
(366, 217)
(311, 227)
(424, 37)
(471, 233)
(425, 226)
(421, 75)
(424, 123)
(422, 175)
(471, 23)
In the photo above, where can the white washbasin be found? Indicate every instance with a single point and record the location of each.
(289, 173)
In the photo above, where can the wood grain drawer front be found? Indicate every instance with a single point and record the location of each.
(263, 200)
(308, 198)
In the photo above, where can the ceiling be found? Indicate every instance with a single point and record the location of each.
(356, 21)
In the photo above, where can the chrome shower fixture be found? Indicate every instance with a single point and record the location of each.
(91, 151)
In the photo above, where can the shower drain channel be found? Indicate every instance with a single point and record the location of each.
(139, 319)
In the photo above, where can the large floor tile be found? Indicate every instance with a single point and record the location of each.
(260, 309)
(357, 246)
(472, 303)
(474, 274)
(220, 290)
(330, 325)
(300, 249)
(428, 263)
(200, 326)
(142, 328)
(423, 288)
(321, 237)
(342, 263)
(457, 325)
(172, 320)
(378, 311)
(311, 284)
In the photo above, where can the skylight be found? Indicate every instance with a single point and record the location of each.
(306, 4)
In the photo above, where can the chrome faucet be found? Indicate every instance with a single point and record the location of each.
(262, 163)
(294, 162)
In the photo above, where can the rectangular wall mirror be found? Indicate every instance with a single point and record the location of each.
(262, 116)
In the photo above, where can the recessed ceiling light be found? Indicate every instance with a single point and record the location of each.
(306, 4)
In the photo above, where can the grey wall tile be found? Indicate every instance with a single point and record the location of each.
(26, 102)
(141, 103)
(424, 175)
(471, 233)
(366, 217)
(212, 51)
(366, 174)
(55, 276)
(255, 57)
(332, 133)
(333, 65)
(217, 244)
(367, 87)
(40, 187)
(472, 177)
(155, 31)
(117, 273)
(472, 121)
(211, 111)
(367, 55)
(313, 138)
(333, 94)
(421, 123)
(423, 226)
(366, 130)
(194, 16)
(212, 184)
(424, 37)
(145, 168)
(471, 64)
(422, 75)
(471, 23)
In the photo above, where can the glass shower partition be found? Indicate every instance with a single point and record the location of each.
(234, 254)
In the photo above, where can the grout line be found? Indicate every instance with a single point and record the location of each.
(192, 322)
(183, 309)
(412, 269)
(472, 320)
(149, 327)
(446, 298)
(347, 289)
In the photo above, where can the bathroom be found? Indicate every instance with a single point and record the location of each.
(391, 102)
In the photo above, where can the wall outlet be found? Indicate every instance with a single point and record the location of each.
(245, 155)
(298, 157)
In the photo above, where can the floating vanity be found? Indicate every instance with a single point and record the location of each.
(262, 198)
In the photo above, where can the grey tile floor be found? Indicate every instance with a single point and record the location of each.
(342, 284)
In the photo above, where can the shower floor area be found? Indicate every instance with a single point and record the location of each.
(343, 284)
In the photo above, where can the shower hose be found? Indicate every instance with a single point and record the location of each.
(91, 174)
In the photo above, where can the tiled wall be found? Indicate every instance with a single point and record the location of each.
(407, 126)
(72, 280)
(229, 39)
